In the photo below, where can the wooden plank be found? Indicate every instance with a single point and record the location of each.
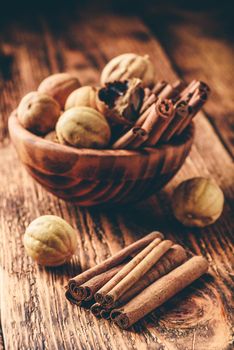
(36, 311)
(1, 339)
(200, 46)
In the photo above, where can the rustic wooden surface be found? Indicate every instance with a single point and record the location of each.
(34, 312)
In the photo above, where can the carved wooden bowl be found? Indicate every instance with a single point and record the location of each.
(90, 177)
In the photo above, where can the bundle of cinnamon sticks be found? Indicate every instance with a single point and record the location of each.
(136, 280)
(166, 112)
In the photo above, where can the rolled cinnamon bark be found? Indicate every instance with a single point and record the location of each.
(126, 140)
(96, 309)
(188, 92)
(190, 88)
(159, 292)
(193, 98)
(164, 111)
(171, 91)
(178, 86)
(151, 96)
(162, 90)
(70, 298)
(182, 111)
(147, 92)
(158, 87)
(87, 290)
(100, 295)
(151, 118)
(149, 100)
(195, 104)
(138, 141)
(198, 99)
(166, 91)
(195, 95)
(137, 272)
(85, 304)
(105, 313)
(140, 121)
(175, 256)
(111, 262)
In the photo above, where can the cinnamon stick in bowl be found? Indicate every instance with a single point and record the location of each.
(158, 122)
(145, 114)
(147, 103)
(171, 91)
(161, 90)
(159, 292)
(190, 102)
(195, 104)
(136, 133)
(182, 111)
(188, 92)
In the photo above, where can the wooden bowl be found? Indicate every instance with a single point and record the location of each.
(90, 177)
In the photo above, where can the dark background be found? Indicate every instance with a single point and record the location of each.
(196, 35)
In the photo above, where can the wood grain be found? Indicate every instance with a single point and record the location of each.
(1, 339)
(34, 312)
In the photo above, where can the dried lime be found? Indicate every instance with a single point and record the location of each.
(197, 202)
(50, 240)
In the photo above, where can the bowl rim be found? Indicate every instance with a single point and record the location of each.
(15, 127)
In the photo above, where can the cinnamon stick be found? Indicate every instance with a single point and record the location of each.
(170, 91)
(85, 304)
(164, 110)
(175, 256)
(195, 104)
(158, 87)
(166, 91)
(70, 298)
(151, 96)
(178, 86)
(189, 89)
(159, 292)
(193, 98)
(137, 272)
(111, 262)
(138, 141)
(140, 121)
(96, 309)
(151, 119)
(87, 290)
(148, 101)
(100, 295)
(126, 140)
(105, 313)
(147, 92)
(198, 99)
(162, 90)
(182, 110)
(187, 93)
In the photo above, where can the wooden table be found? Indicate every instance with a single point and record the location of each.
(34, 312)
